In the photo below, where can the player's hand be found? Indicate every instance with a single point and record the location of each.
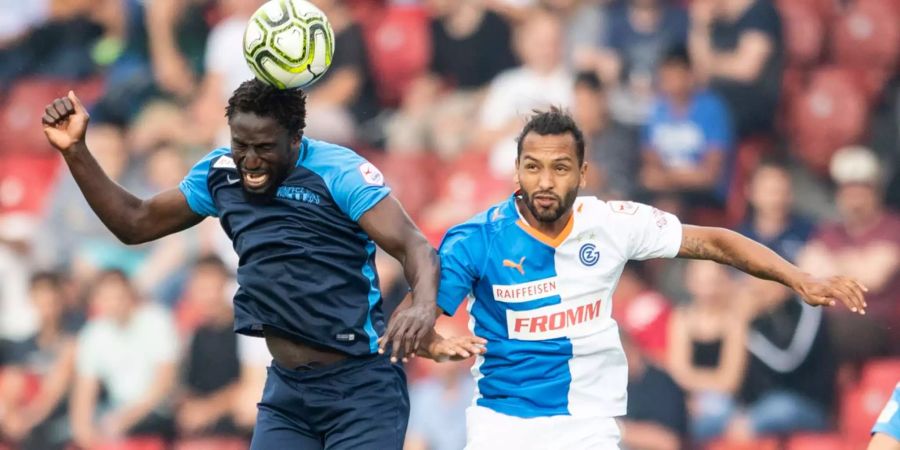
(828, 291)
(456, 348)
(406, 330)
(65, 122)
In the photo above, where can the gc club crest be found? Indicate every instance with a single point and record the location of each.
(588, 254)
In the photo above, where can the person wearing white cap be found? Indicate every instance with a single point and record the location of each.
(863, 243)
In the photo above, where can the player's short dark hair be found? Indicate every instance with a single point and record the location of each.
(554, 121)
(677, 55)
(286, 106)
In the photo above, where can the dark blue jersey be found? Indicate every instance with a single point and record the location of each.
(306, 266)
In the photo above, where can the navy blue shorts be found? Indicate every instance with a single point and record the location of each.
(358, 403)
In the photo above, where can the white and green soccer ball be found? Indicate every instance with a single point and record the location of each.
(288, 43)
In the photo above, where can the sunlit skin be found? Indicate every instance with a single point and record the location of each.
(263, 151)
(549, 176)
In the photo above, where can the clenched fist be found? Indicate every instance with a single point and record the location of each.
(65, 122)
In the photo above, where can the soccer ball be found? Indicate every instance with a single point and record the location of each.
(288, 43)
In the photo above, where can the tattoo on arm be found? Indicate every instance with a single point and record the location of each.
(730, 248)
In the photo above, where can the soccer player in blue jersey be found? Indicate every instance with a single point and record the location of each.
(305, 217)
(539, 270)
(886, 432)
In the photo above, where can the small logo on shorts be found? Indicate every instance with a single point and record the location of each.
(346, 337)
(589, 254)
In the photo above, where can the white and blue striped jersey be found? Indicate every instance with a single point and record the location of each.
(889, 420)
(544, 304)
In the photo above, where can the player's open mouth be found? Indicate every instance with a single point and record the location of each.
(255, 180)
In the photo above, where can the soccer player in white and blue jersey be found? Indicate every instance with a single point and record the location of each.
(886, 432)
(539, 270)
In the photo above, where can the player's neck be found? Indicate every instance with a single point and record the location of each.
(551, 229)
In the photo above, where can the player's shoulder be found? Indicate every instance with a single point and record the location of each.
(591, 206)
(331, 161)
(217, 159)
(482, 226)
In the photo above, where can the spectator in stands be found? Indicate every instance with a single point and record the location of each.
(470, 46)
(771, 219)
(612, 154)
(438, 403)
(687, 141)
(345, 96)
(128, 349)
(18, 319)
(586, 24)
(639, 34)
(255, 359)
(225, 69)
(865, 244)
(165, 38)
(37, 419)
(540, 81)
(737, 46)
(790, 381)
(657, 414)
(207, 403)
(707, 354)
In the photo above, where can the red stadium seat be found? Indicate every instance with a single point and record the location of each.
(26, 180)
(830, 113)
(399, 44)
(881, 375)
(867, 34)
(20, 115)
(805, 441)
(804, 31)
(412, 179)
(755, 444)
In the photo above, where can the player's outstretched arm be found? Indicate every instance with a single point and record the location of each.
(392, 229)
(727, 247)
(130, 219)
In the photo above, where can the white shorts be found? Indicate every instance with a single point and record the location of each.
(487, 429)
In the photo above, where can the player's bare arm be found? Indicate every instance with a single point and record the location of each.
(392, 229)
(132, 220)
(453, 348)
(727, 247)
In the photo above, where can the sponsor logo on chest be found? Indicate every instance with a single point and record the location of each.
(525, 292)
(567, 319)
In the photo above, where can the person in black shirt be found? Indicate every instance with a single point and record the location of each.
(657, 414)
(737, 46)
(790, 380)
(210, 394)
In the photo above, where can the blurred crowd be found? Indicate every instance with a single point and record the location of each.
(778, 119)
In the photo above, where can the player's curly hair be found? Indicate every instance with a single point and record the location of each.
(287, 107)
(550, 122)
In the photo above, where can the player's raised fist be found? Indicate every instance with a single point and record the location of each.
(65, 122)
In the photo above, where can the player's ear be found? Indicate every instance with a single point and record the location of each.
(295, 141)
(583, 183)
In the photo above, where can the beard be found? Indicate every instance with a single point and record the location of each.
(552, 214)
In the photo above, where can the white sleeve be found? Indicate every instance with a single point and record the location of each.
(652, 233)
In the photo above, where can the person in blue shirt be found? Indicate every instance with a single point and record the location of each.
(886, 432)
(305, 217)
(688, 139)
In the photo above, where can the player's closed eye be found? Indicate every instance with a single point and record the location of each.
(562, 169)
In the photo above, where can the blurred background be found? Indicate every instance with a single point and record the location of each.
(778, 119)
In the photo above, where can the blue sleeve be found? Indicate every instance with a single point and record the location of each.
(460, 251)
(356, 185)
(889, 420)
(195, 188)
